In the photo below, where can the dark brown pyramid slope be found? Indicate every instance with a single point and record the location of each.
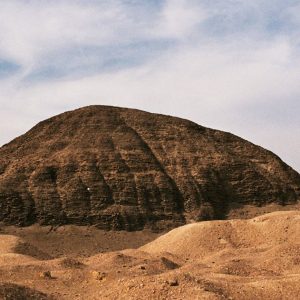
(128, 169)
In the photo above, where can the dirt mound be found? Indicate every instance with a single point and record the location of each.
(130, 262)
(75, 241)
(13, 246)
(71, 263)
(234, 259)
(9, 291)
(120, 168)
(206, 239)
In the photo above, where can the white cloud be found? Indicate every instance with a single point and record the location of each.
(31, 32)
(293, 14)
(220, 79)
(179, 18)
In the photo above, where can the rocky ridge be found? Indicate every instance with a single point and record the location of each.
(120, 168)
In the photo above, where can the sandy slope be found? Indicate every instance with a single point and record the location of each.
(237, 259)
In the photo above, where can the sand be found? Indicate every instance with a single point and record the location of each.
(257, 258)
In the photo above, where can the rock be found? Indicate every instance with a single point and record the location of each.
(101, 276)
(46, 275)
(168, 263)
(124, 169)
(172, 282)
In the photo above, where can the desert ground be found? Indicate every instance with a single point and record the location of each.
(256, 258)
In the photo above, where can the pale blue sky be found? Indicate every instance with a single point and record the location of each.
(231, 65)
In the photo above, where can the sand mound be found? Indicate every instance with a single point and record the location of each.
(8, 243)
(71, 263)
(129, 262)
(200, 240)
(77, 241)
(10, 291)
(237, 259)
(15, 259)
(12, 245)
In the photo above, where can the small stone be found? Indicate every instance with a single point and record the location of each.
(98, 275)
(46, 275)
(173, 282)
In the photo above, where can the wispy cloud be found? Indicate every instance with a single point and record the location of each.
(232, 65)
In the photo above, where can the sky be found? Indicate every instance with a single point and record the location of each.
(231, 65)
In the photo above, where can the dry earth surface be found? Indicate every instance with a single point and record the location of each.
(256, 258)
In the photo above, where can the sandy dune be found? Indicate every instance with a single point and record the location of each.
(235, 259)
